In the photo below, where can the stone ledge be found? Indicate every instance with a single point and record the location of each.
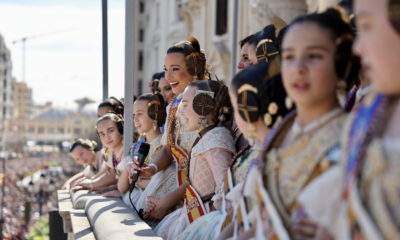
(79, 198)
(64, 208)
(111, 219)
(81, 226)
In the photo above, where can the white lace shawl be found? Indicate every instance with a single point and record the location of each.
(218, 137)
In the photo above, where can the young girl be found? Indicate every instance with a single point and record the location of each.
(110, 128)
(83, 152)
(184, 63)
(149, 115)
(316, 63)
(371, 182)
(205, 108)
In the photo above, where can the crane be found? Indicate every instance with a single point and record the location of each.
(26, 38)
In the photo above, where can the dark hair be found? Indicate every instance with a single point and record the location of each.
(394, 14)
(265, 41)
(116, 105)
(248, 39)
(116, 118)
(85, 143)
(155, 82)
(264, 95)
(195, 59)
(220, 107)
(346, 63)
(155, 107)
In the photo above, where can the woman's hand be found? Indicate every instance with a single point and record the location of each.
(142, 182)
(155, 209)
(146, 171)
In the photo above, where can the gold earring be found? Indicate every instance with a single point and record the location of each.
(273, 108)
(267, 119)
(288, 102)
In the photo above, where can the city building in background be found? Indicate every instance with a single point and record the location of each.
(5, 89)
(161, 23)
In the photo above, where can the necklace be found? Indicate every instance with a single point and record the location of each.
(298, 131)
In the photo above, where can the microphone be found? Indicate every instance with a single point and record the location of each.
(142, 154)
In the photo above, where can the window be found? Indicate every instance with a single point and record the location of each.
(141, 7)
(141, 35)
(140, 87)
(140, 61)
(41, 130)
(221, 17)
(77, 131)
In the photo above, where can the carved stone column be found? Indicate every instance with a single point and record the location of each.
(264, 10)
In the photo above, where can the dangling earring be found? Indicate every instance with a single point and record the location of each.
(288, 102)
(252, 134)
(203, 123)
(341, 92)
(155, 125)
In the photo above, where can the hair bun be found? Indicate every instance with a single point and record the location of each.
(195, 43)
(336, 13)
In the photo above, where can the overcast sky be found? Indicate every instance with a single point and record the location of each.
(64, 60)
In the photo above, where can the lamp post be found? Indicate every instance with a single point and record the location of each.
(39, 190)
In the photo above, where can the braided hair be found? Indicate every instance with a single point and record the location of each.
(219, 106)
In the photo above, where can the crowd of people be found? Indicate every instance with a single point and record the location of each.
(21, 207)
(302, 144)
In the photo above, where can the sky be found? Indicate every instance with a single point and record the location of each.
(64, 53)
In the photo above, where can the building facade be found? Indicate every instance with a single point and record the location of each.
(165, 22)
(5, 90)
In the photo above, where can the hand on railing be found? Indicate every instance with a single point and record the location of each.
(155, 209)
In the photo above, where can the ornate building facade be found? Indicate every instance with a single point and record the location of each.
(165, 22)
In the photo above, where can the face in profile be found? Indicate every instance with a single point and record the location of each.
(109, 134)
(166, 90)
(189, 116)
(247, 56)
(82, 155)
(176, 72)
(143, 123)
(378, 45)
(308, 70)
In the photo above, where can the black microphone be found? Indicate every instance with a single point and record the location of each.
(142, 154)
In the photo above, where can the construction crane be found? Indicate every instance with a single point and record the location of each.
(23, 43)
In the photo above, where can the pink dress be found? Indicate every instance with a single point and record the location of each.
(210, 159)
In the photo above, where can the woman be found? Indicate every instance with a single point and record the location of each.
(205, 108)
(370, 201)
(261, 92)
(160, 85)
(184, 63)
(83, 152)
(110, 129)
(316, 63)
(149, 115)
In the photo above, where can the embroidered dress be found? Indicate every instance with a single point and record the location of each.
(210, 159)
(210, 225)
(160, 184)
(370, 206)
(291, 166)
